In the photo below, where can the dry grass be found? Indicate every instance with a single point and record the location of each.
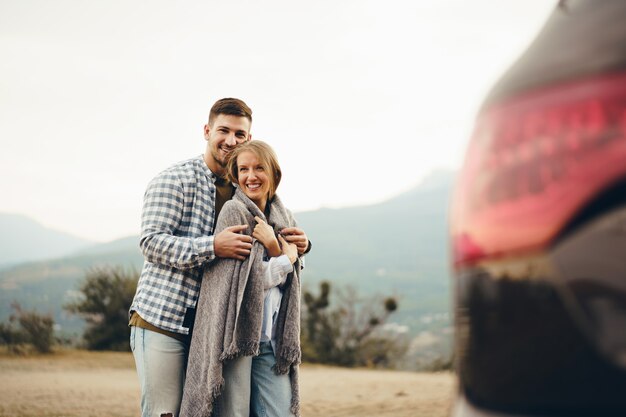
(90, 384)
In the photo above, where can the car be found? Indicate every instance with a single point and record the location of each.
(537, 227)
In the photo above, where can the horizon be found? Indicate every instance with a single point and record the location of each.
(424, 182)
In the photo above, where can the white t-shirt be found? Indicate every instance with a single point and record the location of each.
(276, 271)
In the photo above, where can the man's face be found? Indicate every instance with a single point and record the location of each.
(223, 135)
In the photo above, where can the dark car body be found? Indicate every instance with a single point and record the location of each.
(538, 227)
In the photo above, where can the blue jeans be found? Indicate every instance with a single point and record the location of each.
(161, 361)
(252, 388)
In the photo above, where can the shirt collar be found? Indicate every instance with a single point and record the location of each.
(212, 176)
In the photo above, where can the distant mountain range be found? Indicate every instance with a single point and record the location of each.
(397, 247)
(24, 239)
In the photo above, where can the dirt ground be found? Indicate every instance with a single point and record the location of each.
(88, 384)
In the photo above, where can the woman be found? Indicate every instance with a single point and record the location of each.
(245, 348)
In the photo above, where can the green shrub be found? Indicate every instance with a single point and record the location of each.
(32, 329)
(107, 294)
(349, 331)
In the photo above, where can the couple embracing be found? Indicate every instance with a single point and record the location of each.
(215, 321)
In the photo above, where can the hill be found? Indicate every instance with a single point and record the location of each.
(397, 247)
(27, 240)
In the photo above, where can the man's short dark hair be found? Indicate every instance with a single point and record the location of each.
(231, 107)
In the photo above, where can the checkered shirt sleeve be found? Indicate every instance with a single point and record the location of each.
(168, 225)
(177, 226)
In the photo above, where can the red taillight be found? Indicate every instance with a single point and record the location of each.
(533, 162)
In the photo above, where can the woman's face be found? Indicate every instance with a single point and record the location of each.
(253, 178)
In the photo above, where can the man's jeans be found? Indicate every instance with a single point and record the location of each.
(252, 388)
(161, 361)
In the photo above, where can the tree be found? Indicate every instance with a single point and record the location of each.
(33, 329)
(350, 332)
(107, 294)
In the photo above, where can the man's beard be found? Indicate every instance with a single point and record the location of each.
(221, 162)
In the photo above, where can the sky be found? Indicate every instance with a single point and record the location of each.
(361, 99)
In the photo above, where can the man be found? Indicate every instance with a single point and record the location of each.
(180, 207)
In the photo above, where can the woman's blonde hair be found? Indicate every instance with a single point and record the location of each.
(268, 159)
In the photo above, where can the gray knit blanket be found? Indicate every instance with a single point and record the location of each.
(229, 313)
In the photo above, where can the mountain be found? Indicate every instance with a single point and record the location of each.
(403, 238)
(397, 247)
(26, 240)
(126, 244)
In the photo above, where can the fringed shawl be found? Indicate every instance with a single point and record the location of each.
(230, 312)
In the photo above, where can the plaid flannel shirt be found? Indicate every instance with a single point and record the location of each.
(177, 224)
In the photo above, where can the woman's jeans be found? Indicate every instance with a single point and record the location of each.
(252, 388)
(161, 362)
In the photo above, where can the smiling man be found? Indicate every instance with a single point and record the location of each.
(180, 207)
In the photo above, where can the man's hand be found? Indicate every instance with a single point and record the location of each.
(264, 233)
(296, 236)
(230, 243)
(288, 249)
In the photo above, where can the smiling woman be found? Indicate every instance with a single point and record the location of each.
(245, 348)
(255, 168)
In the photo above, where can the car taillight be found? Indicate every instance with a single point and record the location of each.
(533, 162)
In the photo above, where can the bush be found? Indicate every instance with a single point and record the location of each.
(107, 294)
(351, 332)
(33, 329)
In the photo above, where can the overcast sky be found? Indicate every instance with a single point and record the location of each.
(360, 99)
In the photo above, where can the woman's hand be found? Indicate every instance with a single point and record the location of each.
(296, 236)
(264, 233)
(288, 249)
